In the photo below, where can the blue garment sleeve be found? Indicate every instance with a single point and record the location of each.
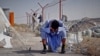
(60, 24)
(62, 34)
(62, 29)
(44, 30)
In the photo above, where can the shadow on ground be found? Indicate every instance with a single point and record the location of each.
(27, 51)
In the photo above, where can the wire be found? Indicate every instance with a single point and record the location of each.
(54, 3)
(21, 17)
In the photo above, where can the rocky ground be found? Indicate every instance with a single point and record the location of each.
(28, 39)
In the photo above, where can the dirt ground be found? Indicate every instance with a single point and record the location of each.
(89, 46)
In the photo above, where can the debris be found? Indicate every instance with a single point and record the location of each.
(90, 46)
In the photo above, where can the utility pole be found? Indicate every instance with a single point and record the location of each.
(28, 18)
(43, 7)
(60, 9)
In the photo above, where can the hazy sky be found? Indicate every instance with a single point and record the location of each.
(74, 9)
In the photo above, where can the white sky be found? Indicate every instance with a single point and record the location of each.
(74, 9)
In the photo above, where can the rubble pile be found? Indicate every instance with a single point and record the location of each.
(26, 28)
(90, 46)
(22, 28)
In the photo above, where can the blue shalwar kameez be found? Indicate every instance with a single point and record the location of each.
(53, 39)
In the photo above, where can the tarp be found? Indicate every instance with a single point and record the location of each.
(3, 21)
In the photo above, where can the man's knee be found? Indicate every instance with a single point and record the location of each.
(44, 41)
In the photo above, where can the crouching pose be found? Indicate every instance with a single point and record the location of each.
(53, 34)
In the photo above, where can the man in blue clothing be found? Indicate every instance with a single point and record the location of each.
(53, 34)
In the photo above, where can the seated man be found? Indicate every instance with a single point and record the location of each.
(53, 33)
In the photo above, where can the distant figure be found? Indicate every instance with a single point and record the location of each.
(53, 34)
(35, 22)
(40, 18)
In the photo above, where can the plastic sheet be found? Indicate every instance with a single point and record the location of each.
(7, 40)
